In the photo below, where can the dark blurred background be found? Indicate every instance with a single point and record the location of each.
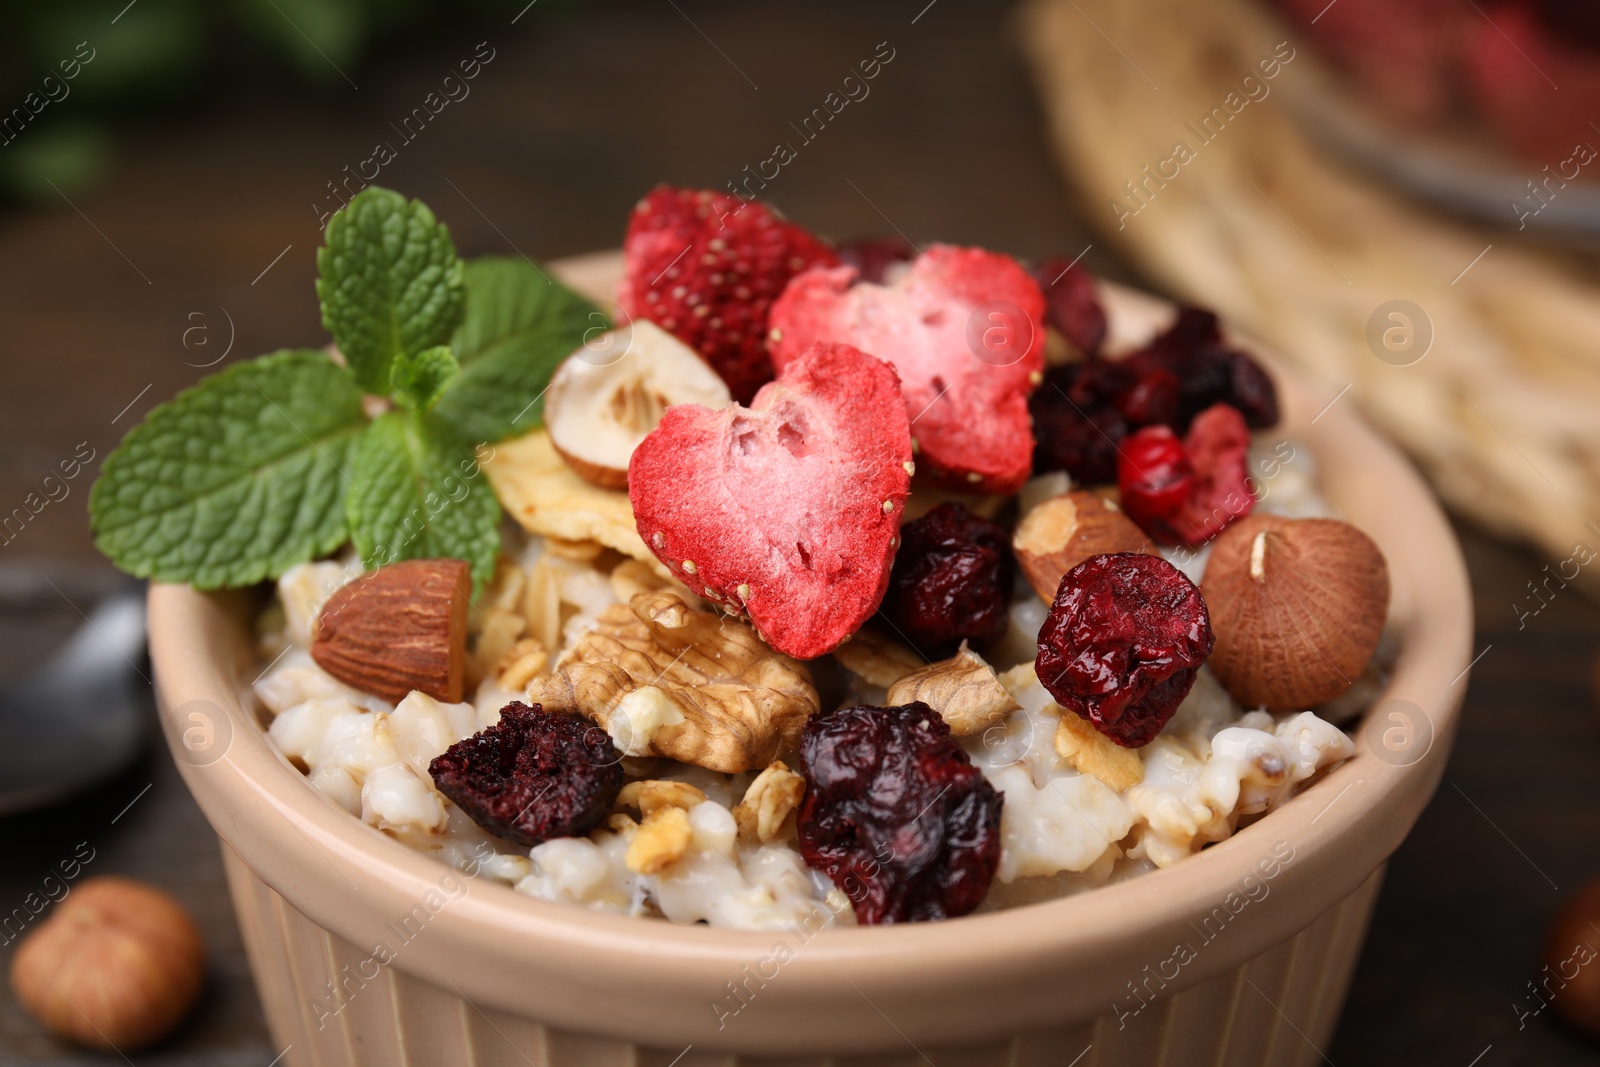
(184, 172)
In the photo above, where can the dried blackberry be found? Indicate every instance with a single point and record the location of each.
(1072, 305)
(1208, 371)
(533, 775)
(1123, 642)
(896, 814)
(951, 581)
(1077, 424)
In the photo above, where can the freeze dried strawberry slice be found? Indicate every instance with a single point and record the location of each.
(706, 268)
(788, 510)
(965, 329)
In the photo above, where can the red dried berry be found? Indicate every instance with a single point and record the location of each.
(1218, 447)
(951, 581)
(533, 775)
(706, 267)
(872, 257)
(1072, 304)
(896, 815)
(1156, 480)
(1122, 644)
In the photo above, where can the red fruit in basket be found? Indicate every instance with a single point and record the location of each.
(874, 257)
(1399, 54)
(706, 268)
(896, 815)
(1122, 644)
(787, 510)
(1072, 303)
(965, 330)
(1185, 493)
(533, 775)
(1513, 64)
(951, 581)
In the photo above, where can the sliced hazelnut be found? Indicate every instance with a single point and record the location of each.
(116, 967)
(1297, 606)
(1065, 530)
(597, 411)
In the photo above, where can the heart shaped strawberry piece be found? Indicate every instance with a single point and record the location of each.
(706, 268)
(787, 511)
(964, 328)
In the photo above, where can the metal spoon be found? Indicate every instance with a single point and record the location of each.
(82, 716)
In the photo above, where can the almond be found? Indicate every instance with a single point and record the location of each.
(1065, 530)
(1297, 606)
(402, 627)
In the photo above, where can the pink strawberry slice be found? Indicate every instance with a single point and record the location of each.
(788, 510)
(706, 268)
(965, 329)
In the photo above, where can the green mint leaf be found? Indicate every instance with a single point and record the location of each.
(389, 282)
(235, 479)
(418, 493)
(520, 324)
(419, 379)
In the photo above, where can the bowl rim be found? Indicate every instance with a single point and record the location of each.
(957, 981)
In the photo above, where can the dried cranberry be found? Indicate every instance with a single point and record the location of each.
(1156, 480)
(951, 581)
(1185, 493)
(1218, 447)
(1077, 424)
(1123, 642)
(896, 814)
(1208, 371)
(1072, 303)
(873, 256)
(533, 775)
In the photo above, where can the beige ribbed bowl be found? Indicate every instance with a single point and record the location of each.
(367, 952)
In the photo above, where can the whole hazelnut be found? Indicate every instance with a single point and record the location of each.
(116, 966)
(1297, 606)
(1065, 530)
(1571, 977)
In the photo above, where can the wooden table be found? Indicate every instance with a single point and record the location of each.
(566, 125)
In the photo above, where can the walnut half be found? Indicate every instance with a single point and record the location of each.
(666, 680)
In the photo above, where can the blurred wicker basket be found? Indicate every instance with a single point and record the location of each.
(1502, 409)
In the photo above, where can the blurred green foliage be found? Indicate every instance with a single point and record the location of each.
(154, 56)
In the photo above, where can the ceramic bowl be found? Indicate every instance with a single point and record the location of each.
(367, 952)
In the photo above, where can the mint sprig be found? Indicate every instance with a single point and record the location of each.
(274, 461)
(236, 479)
(390, 283)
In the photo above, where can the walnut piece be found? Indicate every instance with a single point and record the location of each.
(763, 814)
(1093, 753)
(666, 680)
(962, 689)
(653, 793)
(661, 840)
(876, 659)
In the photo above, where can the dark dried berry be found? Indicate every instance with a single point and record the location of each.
(951, 581)
(1077, 425)
(896, 814)
(873, 256)
(1123, 642)
(533, 775)
(1072, 305)
(1208, 371)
